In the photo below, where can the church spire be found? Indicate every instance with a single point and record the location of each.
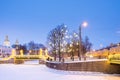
(6, 41)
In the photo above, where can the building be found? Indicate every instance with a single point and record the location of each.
(5, 49)
(104, 52)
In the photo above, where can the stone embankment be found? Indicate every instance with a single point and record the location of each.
(92, 66)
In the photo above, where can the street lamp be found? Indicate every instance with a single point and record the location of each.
(84, 24)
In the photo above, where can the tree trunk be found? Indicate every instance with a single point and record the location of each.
(55, 56)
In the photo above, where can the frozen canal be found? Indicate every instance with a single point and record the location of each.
(41, 72)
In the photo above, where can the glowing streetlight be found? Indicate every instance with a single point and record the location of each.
(84, 24)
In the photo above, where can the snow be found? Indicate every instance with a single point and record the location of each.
(1, 58)
(32, 62)
(41, 72)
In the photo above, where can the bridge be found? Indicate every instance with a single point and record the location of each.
(41, 56)
(114, 58)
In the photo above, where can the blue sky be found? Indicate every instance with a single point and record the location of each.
(28, 20)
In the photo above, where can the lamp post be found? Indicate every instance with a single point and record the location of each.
(84, 24)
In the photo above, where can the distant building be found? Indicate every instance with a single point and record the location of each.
(17, 47)
(5, 49)
(104, 52)
(16, 42)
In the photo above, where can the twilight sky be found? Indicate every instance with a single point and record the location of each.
(28, 20)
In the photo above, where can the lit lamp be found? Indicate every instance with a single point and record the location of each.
(84, 24)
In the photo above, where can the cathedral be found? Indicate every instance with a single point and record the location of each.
(5, 49)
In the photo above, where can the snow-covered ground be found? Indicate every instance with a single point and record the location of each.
(41, 72)
(32, 62)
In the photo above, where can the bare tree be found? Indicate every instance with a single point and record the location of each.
(56, 38)
(86, 46)
(74, 45)
(52, 41)
(61, 30)
(34, 47)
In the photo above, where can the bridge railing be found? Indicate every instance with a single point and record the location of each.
(27, 57)
(22, 56)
